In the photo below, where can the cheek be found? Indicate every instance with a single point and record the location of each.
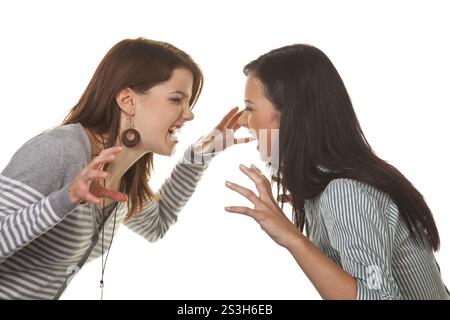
(164, 116)
(148, 120)
(253, 122)
(258, 123)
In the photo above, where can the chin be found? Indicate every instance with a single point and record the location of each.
(166, 147)
(168, 150)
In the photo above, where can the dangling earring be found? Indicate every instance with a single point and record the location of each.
(131, 137)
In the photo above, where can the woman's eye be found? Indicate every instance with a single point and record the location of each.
(248, 109)
(176, 100)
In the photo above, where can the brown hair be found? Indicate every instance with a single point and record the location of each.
(138, 64)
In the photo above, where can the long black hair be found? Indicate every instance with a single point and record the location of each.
(320, 137)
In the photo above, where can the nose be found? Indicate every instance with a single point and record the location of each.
(243, 119)
(188, 114)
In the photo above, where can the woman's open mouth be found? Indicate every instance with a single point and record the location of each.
(173, 132)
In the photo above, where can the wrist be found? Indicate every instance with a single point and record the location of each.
(72, 198)
(295, 241)
(203, 145)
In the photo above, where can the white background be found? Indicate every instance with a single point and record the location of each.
(392, 55)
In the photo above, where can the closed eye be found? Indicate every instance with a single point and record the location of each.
(176, 100)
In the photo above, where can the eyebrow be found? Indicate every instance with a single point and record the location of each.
(249, 101)
(182, 93)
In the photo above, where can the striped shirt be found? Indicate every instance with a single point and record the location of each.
(360, 229)
(45, 239)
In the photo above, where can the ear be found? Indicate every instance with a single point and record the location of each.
(126, 99)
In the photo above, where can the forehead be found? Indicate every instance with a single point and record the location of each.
(254, 86)
(180, 80)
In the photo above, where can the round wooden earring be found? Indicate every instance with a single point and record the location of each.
(130, 138)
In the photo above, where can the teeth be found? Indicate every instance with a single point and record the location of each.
(174, 130)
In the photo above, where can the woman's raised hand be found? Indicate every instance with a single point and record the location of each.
(266, 210)
(223, 135)
(86, 186)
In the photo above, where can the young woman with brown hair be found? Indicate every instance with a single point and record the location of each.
(65, 191)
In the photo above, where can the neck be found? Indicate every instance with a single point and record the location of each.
(122, 162)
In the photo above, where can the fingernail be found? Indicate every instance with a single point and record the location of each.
(241, 166)
(227, 208)
(228, 183)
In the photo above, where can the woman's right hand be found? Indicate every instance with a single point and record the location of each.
(222, 135)
(86, 187)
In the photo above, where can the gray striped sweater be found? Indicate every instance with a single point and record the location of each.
(44, 238)
(360, 229)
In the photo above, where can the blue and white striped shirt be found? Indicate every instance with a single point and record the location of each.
(359, 228)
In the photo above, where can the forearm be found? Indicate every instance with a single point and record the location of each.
(20, 226)
(181, 184)
(159, 215)
(329, 279)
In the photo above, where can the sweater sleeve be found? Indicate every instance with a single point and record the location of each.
(157, 216)
(31, 200)
(359, 232)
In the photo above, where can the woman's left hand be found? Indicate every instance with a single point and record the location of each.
(223, 136)
(266, 212)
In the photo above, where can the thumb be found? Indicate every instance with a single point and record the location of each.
(113, 195)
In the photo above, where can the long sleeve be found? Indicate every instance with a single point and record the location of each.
(157, 216)
(31, 198)
(361, 234)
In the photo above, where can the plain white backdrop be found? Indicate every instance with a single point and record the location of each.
(392, 55)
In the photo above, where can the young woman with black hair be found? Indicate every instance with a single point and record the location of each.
(369, 232)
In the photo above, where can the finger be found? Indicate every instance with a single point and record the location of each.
(99, 161)
(107, 153)
(234, 120)
(227, 117)
(236, 123)
(93, 175)
(244, 210)
(260, 173)
(258, 180)
(112, 194)
(249, 194)
(253, 167)
(244, 140)
(236, 126)
(89, 197)
(112, 150)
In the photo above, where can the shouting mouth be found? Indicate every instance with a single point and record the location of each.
(174, 132)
